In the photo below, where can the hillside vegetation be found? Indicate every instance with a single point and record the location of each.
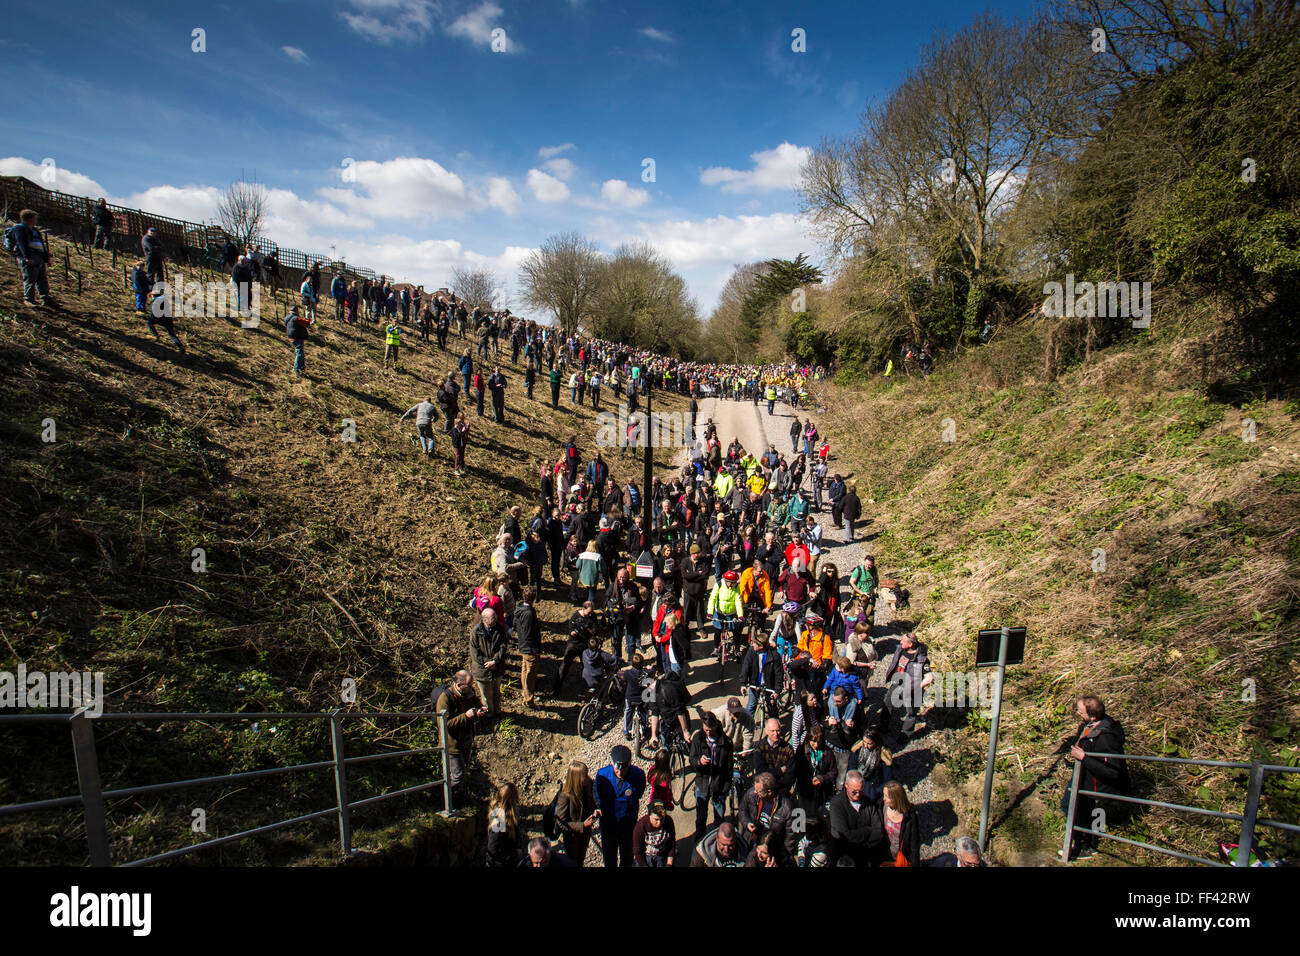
(1189, 629)
(325, 559)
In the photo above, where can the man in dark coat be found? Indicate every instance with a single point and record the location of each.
(529, 636)
(857, 825)
(851, 507)
(487, 657)
(153, 255)
(1097, 734)
(103, 224)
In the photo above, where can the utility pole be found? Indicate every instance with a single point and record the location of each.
(648, 476)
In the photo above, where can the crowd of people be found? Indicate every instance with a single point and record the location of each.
(732, 550)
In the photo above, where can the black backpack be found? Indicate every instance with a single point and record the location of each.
(549, 826)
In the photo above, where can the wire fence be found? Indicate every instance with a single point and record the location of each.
(190, 243)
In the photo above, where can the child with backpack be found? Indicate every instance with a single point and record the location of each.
(28, 245)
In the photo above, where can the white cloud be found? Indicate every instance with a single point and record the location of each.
(691, 243)
(191, 203)
(546, 188)
(617, 192)
(560, 168)
(663, 36)
(432, 261)
(295, 54)
(706, 250)
(773, 169)
(502, 195)
(65, 181)
(546, 152)
(404, 188)
(390, 21)
(479, 25)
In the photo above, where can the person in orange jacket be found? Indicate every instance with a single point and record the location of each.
(815, 652)
(756, 586)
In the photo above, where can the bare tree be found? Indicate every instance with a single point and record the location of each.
(563, 277)
(241, 209)
(476, 286)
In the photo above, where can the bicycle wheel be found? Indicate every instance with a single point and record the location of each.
(640, 745)
(587, 719)
(785, 693)
(683, 778)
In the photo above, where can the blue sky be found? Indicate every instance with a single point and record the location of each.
(413, 138)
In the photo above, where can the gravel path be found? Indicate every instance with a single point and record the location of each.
(913, 760)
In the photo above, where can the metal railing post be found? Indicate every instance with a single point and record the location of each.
(1069, 815)
(1252, 811)
(446, 766)
(92, 797)
(341, 782)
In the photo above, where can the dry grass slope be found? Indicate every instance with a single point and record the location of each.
(1190, 631)
(325, 559)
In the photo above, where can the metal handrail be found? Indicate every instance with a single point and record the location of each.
(92, 795)
(1248, 817)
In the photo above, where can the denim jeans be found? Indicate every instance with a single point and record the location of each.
(35, 278)
(849, 709)
(426, 437)
(299, 356)
(702, 803)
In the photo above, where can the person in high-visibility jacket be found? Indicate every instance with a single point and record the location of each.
(770, 395)
(724, 485)
(392, 340)
(757, 483)
(725, 606)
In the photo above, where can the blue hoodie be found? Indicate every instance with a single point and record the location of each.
(848, 681)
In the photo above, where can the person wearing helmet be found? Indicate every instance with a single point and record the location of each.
(815, 651)
(726, 607)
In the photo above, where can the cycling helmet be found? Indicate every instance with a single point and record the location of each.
(731, 576)
(790, 607)
(812, 618)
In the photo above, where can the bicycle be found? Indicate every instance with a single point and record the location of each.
(740, 779)
(755, 623)
(679, 762)
(641, 732)
(606, 695)
(768, 706)
(730, 628)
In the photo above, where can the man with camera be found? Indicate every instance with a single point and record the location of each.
(459, 701)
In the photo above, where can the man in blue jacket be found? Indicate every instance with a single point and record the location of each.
(618, 795)
(339, 292)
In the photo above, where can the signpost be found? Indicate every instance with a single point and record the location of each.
(645, 566)
(996, 647)
(647, 482)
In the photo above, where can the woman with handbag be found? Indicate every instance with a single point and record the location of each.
(902, 827)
